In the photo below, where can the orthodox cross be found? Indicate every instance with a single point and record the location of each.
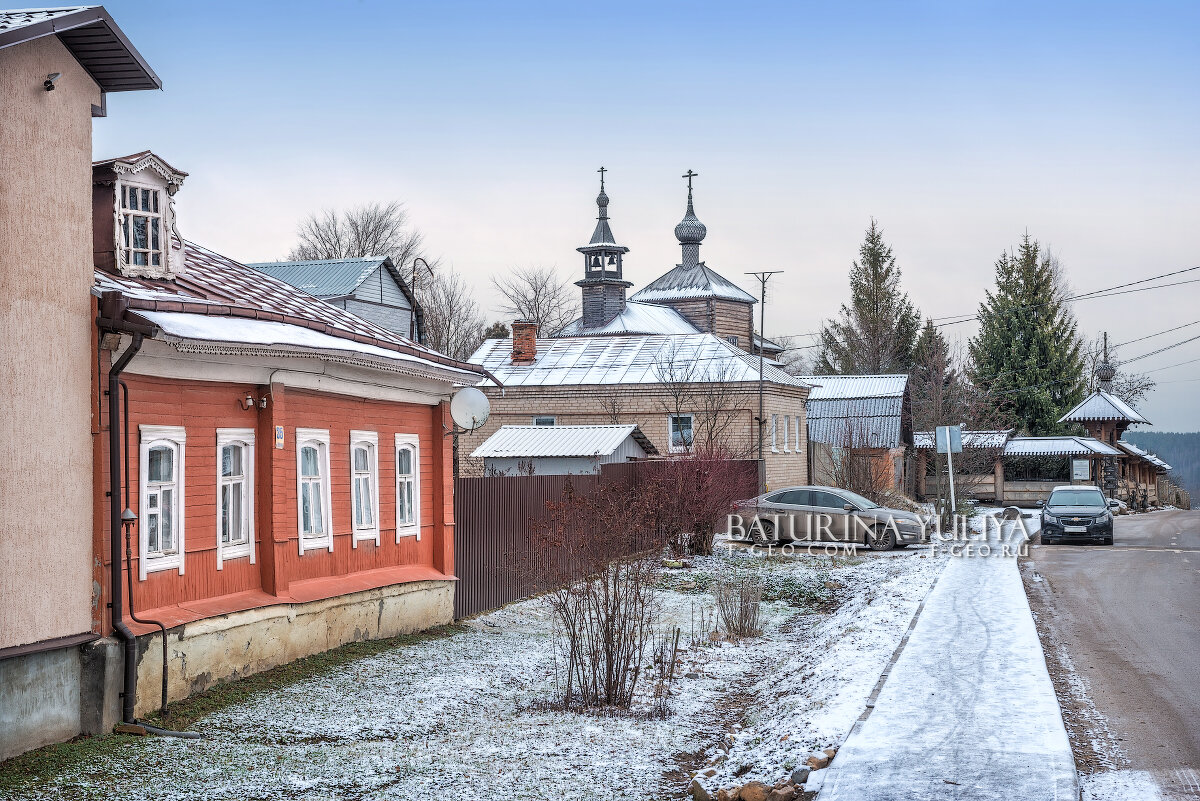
(601, 171)
(690, 175)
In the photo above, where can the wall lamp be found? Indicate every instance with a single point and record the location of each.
(50, 79)
(249, 402)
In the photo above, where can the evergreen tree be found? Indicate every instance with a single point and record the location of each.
(935, 385)
(1028, 353)
(877, 331)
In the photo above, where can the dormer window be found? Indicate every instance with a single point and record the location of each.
(142, 234)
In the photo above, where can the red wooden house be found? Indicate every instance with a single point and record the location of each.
(283, 462)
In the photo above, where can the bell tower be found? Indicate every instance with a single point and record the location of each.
(603, 281)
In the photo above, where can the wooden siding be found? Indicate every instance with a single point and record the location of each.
(203, 407)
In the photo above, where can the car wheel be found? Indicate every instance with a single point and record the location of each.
(1108, 540)
(764, 533)
(881, 542)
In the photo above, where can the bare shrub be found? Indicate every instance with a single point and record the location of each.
(598, 560)
(695, 493)
(739, 604)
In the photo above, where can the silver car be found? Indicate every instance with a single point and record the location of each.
(823, 514)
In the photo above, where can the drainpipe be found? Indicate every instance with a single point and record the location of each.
(129, 690)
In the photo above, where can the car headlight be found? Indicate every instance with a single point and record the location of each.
(1048, 518)
(1106, 517)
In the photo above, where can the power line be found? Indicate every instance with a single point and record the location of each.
(1160, 350)
(1169, 366)
(1160, 333)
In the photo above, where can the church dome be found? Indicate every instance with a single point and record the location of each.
(602, 200)
(690, 230)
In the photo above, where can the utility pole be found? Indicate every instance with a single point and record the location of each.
(762, 335)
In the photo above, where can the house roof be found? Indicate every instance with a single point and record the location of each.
(1100, 405)
(1134, 450)
(216, 299)
(563, 441)
(863, 411)
(925, 440)
(1058, 446)
(93, 38)
(635, 359)
(841, 387)
(325, 278)
(635, 318)
(699, 281)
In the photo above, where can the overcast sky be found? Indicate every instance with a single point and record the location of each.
(958, 125)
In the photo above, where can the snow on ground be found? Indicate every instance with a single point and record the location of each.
(465, 716)
(1120, 785)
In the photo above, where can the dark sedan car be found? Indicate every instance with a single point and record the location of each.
(825, 514)
(1077, 514)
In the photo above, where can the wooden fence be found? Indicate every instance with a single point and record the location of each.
(493, 552)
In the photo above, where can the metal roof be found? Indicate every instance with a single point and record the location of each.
(541, 441)
(699, 281)
(1058, 446)
(635, 359)
(925, 440)
(856, 422)
(93, 38)
(326, 278)
(636, 318)
(219, 287)
(1100, 405)
(1134, 450)
(829, 387)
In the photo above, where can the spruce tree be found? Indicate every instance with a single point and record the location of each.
(1028, 354)
(877, 331)
(935, 385)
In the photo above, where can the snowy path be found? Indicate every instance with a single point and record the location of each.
(465, 716)
(968, 711)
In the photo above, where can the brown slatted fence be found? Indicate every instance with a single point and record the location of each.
(493, 552)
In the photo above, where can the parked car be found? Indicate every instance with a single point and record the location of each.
(1077, 514)
(826, 514)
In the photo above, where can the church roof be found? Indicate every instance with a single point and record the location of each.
(635, 318)
(635, 359)
(1102, 406)
(700, 281)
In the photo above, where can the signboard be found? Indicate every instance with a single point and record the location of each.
(279, 437)
(949, 439)
(1081, 469)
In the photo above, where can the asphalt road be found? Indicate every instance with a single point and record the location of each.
(1129, 616)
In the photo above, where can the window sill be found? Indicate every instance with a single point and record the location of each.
(231, 552)
(156, 564)
(364, 535)
(310, 544)
(408, 531)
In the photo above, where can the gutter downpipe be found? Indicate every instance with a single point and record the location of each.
(116, 604)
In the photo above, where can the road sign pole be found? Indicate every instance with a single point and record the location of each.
(950, 470)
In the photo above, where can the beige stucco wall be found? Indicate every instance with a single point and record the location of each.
(46, 331)
(647, 406)
(240, 644)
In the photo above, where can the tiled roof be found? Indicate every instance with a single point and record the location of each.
(214, 285)
(91, 36)
(1100, 405)
(327, 278)
(699, 281)
(635, 359)
(637, 318)
(544, 441)
(1058, 446)
(829, 387)
(925, 440)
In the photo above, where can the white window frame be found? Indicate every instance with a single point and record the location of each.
(405, 529)
(774, 433)
(175, 437)
(553, 420)
(686, 447)
(371, 532)
(787, 431)
(157, 218)
(799, 439)
(245, 438)
(319, 437)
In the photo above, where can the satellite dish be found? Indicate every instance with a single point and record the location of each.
(470, 408)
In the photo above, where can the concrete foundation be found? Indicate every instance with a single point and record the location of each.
(39, 700)
(239, 644)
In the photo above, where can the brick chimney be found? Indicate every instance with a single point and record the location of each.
(524, 337)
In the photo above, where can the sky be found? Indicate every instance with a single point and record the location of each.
(959, 126)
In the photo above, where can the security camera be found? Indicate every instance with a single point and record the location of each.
(50, 79)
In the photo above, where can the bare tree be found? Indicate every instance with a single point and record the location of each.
(537, 294)
(703, 389)
(372, 229)
(454, 325)
(1131, 387)
(613, 404)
